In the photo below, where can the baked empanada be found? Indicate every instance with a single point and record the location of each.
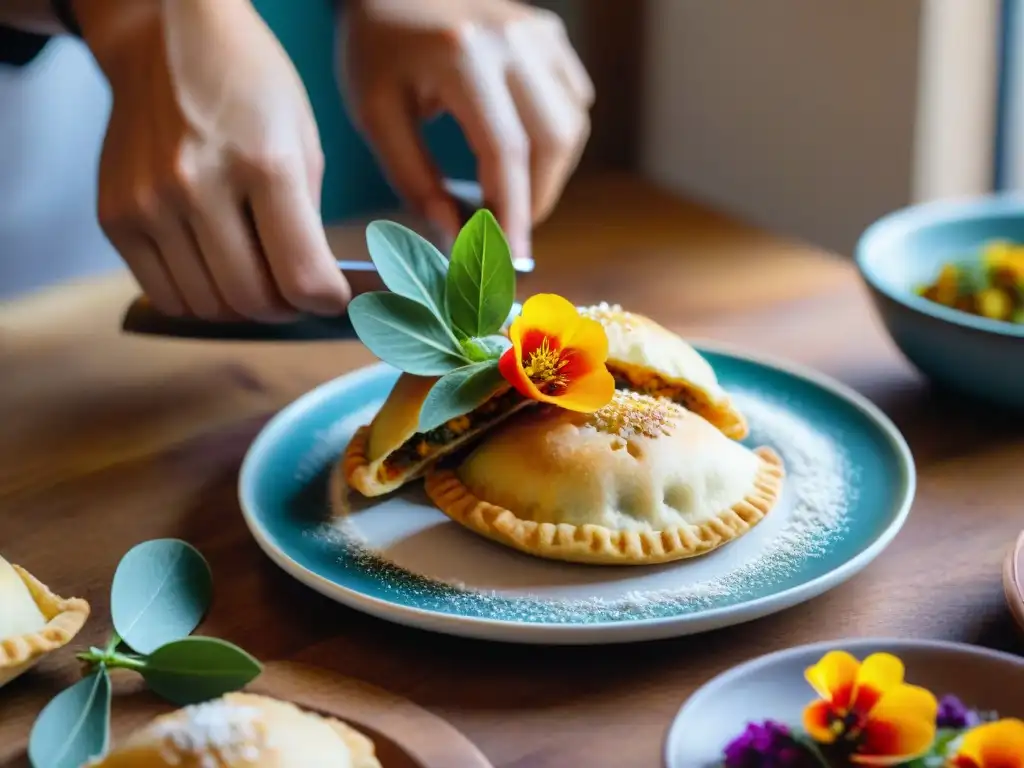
(643, 480)
(242, 730)
(390, 451)
(33, 620)
(645, 357)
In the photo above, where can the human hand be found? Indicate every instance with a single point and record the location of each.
(211, 170)
(505, 71)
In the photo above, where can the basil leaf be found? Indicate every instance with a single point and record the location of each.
(481, 285)
(409, 265)
(75, 726)
(459, 392)
(161, 591)
(197, 669)
(405, 334)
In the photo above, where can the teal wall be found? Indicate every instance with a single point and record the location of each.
(353, 185)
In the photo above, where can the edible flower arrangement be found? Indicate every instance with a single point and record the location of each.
(867, 715)
(445, 318)
(992, 286)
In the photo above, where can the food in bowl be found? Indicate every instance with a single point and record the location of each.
(991, 286)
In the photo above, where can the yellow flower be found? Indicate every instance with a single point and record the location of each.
(992, 745)
(557, 356)
(868, 705)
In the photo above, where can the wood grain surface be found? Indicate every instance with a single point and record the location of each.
(107, 440)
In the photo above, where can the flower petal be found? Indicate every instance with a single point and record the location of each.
(901, 727)
(589, 339)
(588, 393)
(817, 718)
(995, 745)
(833, 678)
(510, 366)
(878, 673)
(552, 315)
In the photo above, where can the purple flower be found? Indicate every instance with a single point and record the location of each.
(766, 745)
(953, 713)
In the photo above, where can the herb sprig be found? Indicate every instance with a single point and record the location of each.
(161, 591)
(440, 317)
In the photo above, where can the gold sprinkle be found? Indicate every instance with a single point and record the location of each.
(609, 314)
(631, 414)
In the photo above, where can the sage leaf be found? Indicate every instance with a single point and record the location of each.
(75, 726)
(409, 265)
(197, 669)
(161, 591)
(481, 284)
(405, 334)
(459, 392)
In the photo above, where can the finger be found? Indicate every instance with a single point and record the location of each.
(143, 260)
(555, 124)
(292, 237)
(565, 61)
(480, 102)
(389, 122)
(181, 257)
(234, 259)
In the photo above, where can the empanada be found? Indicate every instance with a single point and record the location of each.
(241, 730)
(643, 480)
(645, 357)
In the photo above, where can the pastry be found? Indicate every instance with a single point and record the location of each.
(648, 358)
(390, 451)
(33, 620)
(643, 480)
(242, 730)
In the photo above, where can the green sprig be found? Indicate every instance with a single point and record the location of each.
(440, 317)
(160, 593)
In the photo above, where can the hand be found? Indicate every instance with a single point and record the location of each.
(505, 71)
(211, 170)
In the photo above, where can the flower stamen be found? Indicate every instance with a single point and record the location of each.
(544, 368)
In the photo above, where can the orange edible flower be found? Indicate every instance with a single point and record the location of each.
(992, 745)
(868, 705)
(557, 356)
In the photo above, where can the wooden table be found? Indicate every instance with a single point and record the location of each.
(108, 440)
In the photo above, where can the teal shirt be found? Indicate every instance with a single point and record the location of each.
(353, 183)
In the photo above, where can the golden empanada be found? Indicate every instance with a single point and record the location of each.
(641, 481)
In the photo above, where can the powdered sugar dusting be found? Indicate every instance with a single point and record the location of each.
(214, 733)
(820, 486)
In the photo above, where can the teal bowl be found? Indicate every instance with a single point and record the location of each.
(972, 356)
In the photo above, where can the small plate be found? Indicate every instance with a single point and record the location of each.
(772, 687)
(850, 483)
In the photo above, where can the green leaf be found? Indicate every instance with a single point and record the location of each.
(405, 334)
(198, 669)
(409, 265)
(75, 726)
(459, 392)
(481, 284)
(495, 345)
(161, 591)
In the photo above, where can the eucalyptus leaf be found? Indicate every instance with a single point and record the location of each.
(197, 669)
(405, 334)
(409, 265)
(481, 285)
(75, 726)
(161, 591)
(459, 392)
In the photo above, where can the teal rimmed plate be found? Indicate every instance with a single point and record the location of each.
(849, 486)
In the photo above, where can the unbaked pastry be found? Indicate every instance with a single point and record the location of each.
(33, 620)
(243, 730)
(648, 358)
(643, 480)
(390, 451)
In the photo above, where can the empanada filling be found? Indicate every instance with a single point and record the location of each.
(425, 445)
(651, 384)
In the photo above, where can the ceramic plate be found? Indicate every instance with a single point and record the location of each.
(773, 688)
(848, 491)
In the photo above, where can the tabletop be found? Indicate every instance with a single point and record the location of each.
(108, 440)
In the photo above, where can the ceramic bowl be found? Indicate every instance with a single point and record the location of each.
(974, 356)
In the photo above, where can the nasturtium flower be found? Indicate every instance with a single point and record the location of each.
(993, 745)
(867, 708)
(557, 356)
